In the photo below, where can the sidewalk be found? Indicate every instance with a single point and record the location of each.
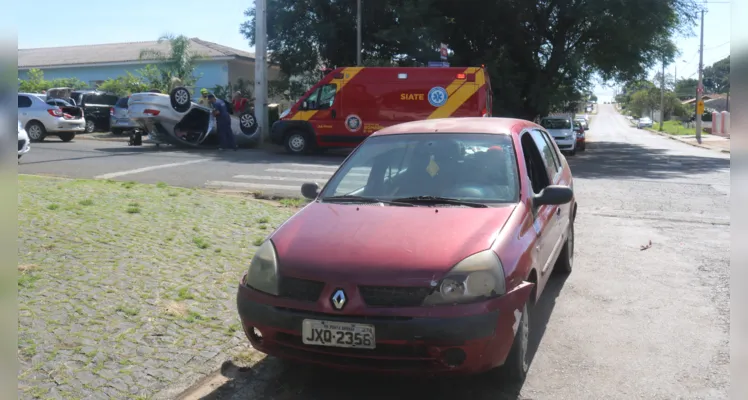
(711, 142)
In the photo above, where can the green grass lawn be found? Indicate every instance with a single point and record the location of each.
(124, 287)
(674, 128)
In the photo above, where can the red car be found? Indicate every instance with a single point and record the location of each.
(424, 252)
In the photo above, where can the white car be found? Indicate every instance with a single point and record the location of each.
(42, 120)
(23, 141)
(645, 122)
(561, 127)
(174, 119)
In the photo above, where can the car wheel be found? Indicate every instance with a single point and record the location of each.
(565, 260)
(573, 151)
(180, 99)
(297, 142)
(248, 123)
(90, 126)
(66, 137)
(516, 364)
(36, 131)
(583, 147)
(116, 131)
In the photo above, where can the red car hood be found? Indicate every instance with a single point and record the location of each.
(378, 245)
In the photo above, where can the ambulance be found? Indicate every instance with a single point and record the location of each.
(351, 103)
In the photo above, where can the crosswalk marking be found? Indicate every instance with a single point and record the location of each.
(331, 167)
(276, 178)
(287, 178)
(255, 186)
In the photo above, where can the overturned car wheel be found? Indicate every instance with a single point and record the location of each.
(180, 99)
(248, 123)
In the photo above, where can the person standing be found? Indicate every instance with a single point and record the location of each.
(203, 101)
(239, 102)
(223, 123)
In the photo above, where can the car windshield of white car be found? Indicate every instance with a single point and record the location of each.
(464, 169)
(555, 123)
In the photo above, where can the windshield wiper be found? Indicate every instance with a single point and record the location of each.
(438, 200)
(360, 199)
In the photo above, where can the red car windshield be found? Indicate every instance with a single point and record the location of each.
(469, 167)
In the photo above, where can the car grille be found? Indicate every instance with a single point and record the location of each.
(21, 143)
(393, 296)
(300, 289)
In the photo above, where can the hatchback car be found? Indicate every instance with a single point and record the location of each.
(120, 120)
(561, 128)
(645, 122)
(423, 253)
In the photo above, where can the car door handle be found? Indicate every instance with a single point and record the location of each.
(558, 211)
(333, 114)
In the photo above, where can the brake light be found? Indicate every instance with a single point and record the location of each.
(151, 112)
(460, 76)
(55, 112)
(111, 111)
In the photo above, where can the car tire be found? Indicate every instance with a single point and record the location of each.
(583, 147)
(297, 142)
(565, 260)
(180, 99)
(573, 151)
(117, 131)
(248, 123)
(66, 137)
(90, 126)
(36, 131)
(517, 364)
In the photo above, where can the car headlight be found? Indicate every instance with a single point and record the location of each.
(263, 269)
(284, 113)
(477, 277)
(20, 127)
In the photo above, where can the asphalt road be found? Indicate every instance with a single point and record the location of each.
(632, 321)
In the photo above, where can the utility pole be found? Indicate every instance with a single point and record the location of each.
(662, 94)
(700, 87)
(261, 79)
(358, 32)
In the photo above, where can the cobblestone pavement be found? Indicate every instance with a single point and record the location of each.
(128, 290)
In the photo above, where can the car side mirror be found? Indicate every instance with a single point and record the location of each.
(553, 195)
(305, 106)
(310, 190)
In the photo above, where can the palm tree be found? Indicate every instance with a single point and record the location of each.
(178, 64)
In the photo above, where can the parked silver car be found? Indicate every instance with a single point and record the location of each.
(645, 122)
(41, 119)
(120, 120)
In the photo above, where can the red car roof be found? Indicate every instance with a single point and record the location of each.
(499, 126)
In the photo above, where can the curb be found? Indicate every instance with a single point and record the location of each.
(671, 137)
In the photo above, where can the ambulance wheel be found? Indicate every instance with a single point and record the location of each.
(248, 123)
(180, 99)
(297, 142)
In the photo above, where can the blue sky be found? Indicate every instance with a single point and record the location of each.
(218, 21)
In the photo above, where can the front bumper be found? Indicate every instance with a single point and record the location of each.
(565, 144)
(445, 339)
(24, 146)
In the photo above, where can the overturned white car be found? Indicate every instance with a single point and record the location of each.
(174, 119)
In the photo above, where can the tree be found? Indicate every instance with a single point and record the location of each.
(36, 82)
(535, 52)
(716, 77)
(125, 85)
(176, 67)
(686, 88)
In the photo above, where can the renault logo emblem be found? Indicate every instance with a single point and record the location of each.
(338, 299)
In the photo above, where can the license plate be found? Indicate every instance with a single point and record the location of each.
(337, 334)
